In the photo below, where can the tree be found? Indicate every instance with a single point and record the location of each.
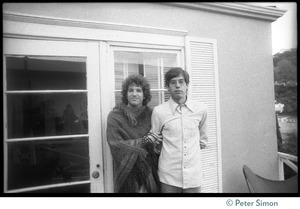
(290, 55)
(285, 72)
(285, 75)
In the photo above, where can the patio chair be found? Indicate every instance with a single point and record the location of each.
(258, 184)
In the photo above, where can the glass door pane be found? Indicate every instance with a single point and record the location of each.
(45, 73)
(51, 114)
(47, 162)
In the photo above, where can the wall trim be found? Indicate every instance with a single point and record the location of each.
(238, 9)
(90, 24)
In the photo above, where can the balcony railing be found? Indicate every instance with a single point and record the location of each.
(289, 161)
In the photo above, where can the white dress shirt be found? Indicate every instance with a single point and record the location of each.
(183, 129)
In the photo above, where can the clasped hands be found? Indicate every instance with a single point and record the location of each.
(156, 141)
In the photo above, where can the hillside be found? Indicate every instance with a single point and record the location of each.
(285, 80)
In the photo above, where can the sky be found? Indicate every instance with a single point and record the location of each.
(284, 29)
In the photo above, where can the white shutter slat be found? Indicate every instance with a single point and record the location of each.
(133, 69)
(202, 67)
(154, 100)
(152, 74)
(119, 75)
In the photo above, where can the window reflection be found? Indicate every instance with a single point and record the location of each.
(38, 163)
(45, 73)
(34, 115)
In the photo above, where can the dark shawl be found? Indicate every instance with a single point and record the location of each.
(134, 163)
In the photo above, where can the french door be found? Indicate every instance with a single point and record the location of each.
(52, 118)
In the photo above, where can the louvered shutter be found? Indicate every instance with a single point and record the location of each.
(152, 74)
(133, 69)
(201, 63)
(119, 77)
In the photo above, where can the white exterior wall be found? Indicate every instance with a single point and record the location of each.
(245, 73)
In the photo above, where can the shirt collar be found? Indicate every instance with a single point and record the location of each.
(174, 105)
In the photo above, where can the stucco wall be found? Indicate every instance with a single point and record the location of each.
(245, 74)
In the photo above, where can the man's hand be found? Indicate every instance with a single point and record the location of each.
(155, 138)
(157, 141)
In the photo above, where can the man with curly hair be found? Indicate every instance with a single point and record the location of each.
(130, 139)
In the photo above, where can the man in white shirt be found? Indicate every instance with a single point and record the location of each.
(183, 125)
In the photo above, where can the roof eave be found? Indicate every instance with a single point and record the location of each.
(236, 9)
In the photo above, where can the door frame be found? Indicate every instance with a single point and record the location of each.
(90, 50)
(108, 89)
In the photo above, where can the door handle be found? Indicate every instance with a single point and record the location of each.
(95, 174)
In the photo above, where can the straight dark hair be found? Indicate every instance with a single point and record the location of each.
(175, 72)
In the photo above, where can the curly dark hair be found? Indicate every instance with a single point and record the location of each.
(174, 72)
(138, 80)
